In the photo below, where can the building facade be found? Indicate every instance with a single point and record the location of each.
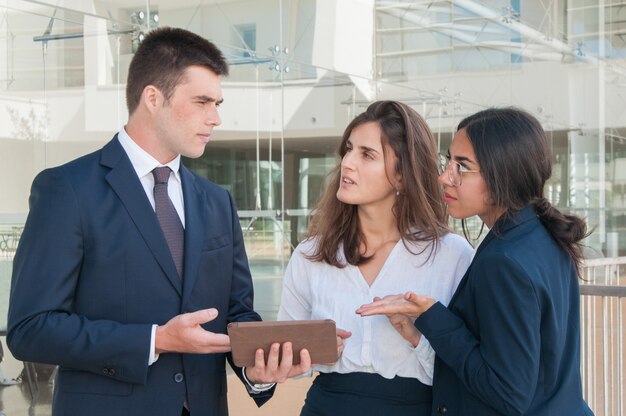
(300, 71)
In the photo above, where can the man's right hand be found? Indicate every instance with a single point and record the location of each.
(184, 334)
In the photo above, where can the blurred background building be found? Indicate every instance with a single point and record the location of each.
(300, 71)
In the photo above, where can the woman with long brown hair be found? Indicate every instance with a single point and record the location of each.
(380, 227)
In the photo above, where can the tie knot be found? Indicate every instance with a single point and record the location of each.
(161, 175)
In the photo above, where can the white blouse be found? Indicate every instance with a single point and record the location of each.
(317, 290)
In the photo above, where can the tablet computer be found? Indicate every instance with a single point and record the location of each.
(319, 337)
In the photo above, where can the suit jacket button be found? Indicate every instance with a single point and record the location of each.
(108, 371)
(442, 410)
(178, 377)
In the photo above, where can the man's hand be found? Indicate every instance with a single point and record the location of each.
(273, 371)
(183, 333)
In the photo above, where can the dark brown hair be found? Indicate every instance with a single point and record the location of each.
(515, 162)
(162, 59)
(419, 209)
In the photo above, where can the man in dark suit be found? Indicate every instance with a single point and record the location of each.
(130, 266)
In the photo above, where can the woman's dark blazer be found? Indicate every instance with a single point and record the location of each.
(509, 341)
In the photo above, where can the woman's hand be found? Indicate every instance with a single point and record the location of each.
(408, 304)
(341, 335)
(404, 325)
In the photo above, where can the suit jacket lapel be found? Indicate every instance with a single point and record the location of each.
(504, 225)
(463, 281)
(124, 181)
(195, 226)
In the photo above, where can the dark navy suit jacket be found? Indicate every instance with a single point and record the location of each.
(509, 341)
(93, 272)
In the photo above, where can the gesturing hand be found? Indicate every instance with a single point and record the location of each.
(273, 371)
(404, 325)
(183, 333)
(408, 304)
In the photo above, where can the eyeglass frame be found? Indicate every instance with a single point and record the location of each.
(444, 162)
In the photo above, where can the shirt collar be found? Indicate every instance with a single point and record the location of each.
(142, 161)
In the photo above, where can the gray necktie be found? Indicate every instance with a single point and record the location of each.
(168, 217)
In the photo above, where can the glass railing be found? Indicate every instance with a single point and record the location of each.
(603, 337)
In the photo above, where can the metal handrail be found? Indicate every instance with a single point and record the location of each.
(603, 290)
(605, 261)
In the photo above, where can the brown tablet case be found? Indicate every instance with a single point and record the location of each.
(319, 337)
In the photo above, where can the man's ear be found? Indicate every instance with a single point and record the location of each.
(152, 98)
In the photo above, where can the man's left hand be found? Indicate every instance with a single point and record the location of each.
(274, 371)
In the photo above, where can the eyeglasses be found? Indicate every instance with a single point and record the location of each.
(455, 169)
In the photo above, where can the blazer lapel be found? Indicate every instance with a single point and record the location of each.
(195, 226)
(463, 281)
(124, 181)
(503, 225)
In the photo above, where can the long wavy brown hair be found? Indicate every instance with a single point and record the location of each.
(419, 209)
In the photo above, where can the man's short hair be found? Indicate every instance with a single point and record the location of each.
(162, 59)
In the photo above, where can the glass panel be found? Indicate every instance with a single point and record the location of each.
(246, 154)
(300, 71)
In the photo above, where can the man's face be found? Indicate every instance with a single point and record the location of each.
(185, 122)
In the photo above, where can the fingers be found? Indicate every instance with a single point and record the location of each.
(340, 346)
(388, 305)
(370, 309)
(411, 297)
(274, 371)
(273, 357)
(286, 362)
(259, 360)
(256, 374)
(199, 317)
(409, 304)
(378, 305)
(212, 314)
(343, 334)
(381, 309)
(303, 367)
(184, 333)
(305, 361)
(421, 302)
(217, 342)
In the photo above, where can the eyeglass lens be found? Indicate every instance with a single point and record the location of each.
(453, 168)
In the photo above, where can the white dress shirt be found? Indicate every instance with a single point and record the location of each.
(317, 290)
(144, 163)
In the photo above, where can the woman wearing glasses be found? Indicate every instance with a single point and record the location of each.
(508, 342)
(378, 229)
